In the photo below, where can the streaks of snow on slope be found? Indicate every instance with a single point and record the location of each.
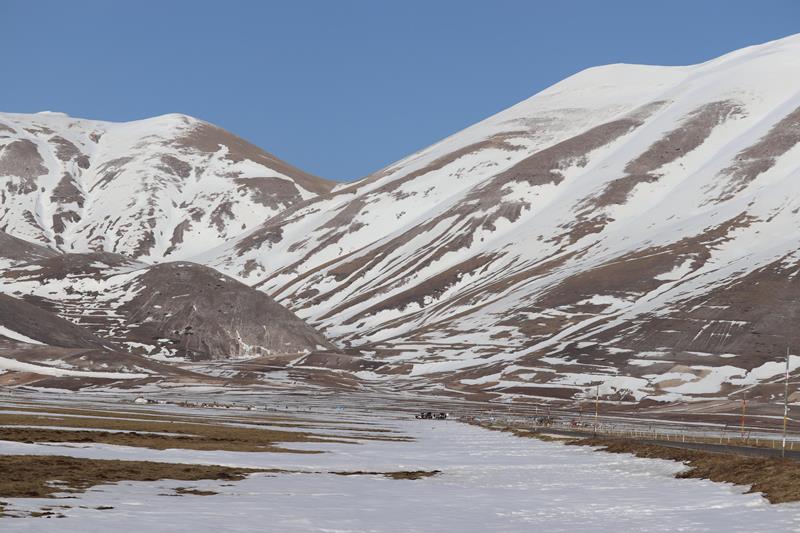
(710, 380)
(167, 186)
(438, 166)
(655, 245)
(18, 366)
(474, 213)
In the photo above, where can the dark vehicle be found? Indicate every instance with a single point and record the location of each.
(428, 415)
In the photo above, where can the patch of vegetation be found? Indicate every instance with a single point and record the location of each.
(46, 514)
(37, 476)
(213, 416)
(194, 492)
(194, 435)
(409, 474)
(232, 441)
(187, 435)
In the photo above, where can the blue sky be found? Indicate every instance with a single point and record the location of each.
(342, 88)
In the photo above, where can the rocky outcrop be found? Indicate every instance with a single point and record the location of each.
(178, 311)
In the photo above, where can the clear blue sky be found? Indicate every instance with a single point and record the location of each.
(342, 88)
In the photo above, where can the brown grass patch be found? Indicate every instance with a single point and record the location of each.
(181, 491)
(215, 416)
(189, 435)
(408, 474)
(37, 476)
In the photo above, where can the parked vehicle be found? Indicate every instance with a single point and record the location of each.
(429, 415)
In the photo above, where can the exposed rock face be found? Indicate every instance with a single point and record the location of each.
(46, 350)
(116, 197)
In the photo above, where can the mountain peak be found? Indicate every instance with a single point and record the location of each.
(172, 186)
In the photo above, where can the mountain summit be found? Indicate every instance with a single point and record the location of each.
(154, 189)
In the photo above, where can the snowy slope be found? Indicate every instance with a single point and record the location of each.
(85, 206)
(165, 187)
(633, 226)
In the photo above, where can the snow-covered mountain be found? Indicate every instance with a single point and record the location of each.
(635, 226)
(166, 187)
(87, 207)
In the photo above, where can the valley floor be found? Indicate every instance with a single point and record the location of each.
(486, 481)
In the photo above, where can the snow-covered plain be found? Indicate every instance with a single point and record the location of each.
(490, 481)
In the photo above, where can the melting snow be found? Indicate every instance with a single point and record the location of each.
(490, 481)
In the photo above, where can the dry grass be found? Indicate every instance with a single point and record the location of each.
(42, 476)
(182, 491)
(273, 418)
(189, 435)
(127, 420)
(225, 442)
(35, 476)
(408, 474)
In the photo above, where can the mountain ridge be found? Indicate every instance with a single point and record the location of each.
(450, 287)
(628, 228)
(141, 188)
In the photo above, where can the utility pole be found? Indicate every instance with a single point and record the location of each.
(785, 404)
(596, 407)
(744, 411)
